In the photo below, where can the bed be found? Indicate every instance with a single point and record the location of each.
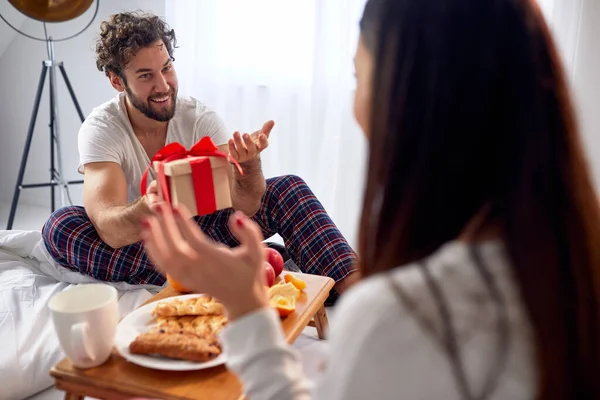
(28, 344)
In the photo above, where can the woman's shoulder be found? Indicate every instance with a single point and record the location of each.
(397, 315)
(454, 267)
(460, 276)
(451, 268)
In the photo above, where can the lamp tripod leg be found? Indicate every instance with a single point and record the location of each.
(71, 92)
(59, 174)
(36, 106)
(54, 130)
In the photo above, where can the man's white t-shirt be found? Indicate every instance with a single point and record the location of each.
(107, 136)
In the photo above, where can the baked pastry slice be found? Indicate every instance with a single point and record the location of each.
(204, 325)
(185, 329)
(203, 305)
(183, 346)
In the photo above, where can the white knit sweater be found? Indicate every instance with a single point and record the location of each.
(382, 350)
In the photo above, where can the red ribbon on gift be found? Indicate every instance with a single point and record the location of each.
(201, 171)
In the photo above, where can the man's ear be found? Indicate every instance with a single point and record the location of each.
(116, 81)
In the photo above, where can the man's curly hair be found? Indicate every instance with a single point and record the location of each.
(124, 34)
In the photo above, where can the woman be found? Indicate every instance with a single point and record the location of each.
(479, 232)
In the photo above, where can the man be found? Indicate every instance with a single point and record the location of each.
(120, 137)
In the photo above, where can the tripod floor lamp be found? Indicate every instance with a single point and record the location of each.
(48, 11)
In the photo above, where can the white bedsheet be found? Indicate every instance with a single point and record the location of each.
(28, 279)
(28, 344)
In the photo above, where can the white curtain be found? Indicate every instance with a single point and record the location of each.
(576, 28)
(286, 60)
(564, 19)
(291, 61)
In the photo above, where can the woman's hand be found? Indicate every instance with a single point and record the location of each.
(176, 246)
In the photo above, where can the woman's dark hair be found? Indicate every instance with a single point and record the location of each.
(124, 34)
(470, 109)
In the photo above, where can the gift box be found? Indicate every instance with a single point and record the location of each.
(199, 183)
(198, 178)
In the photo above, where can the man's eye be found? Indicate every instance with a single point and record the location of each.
(144, 76)
(166, 69)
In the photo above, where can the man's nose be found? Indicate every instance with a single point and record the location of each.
(161, 85)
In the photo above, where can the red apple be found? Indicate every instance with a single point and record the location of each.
(274, 258)
(269, 274)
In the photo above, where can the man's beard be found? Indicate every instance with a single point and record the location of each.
(146, 107)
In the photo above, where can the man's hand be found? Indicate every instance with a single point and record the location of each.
(152, 196)
(105, 199)
(244, 148)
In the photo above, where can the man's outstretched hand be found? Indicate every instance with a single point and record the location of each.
(247, 147)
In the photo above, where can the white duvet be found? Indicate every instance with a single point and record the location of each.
(28, 344)
(28, 279)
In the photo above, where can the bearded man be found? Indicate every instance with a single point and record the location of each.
(119, 138)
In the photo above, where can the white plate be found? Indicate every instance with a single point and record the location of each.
(140, 321)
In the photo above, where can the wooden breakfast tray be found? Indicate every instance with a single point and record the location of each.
(120, 379)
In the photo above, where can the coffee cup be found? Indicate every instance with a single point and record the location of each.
(85, 319)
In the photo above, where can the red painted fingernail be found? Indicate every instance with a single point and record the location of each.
(145, 223)
(239, 221)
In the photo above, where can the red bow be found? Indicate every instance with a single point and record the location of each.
(175, 151)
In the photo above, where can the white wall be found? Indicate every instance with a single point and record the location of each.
(15, 18)
(20, 67)
(576, 28)
(575, 23)
(586, 81)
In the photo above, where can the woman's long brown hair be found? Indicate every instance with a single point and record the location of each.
(470, 108)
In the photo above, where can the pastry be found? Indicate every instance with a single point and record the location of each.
(184, 329)
(203, 305)
(200, 325)
(183, 346)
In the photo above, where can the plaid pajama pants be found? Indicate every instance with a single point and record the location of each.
(289, 208)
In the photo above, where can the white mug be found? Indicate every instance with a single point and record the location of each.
(85, 318)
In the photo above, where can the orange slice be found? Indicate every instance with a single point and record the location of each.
(282, 297)
(297, 282)
(283, 289)
(284, 305)
(176, 285)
